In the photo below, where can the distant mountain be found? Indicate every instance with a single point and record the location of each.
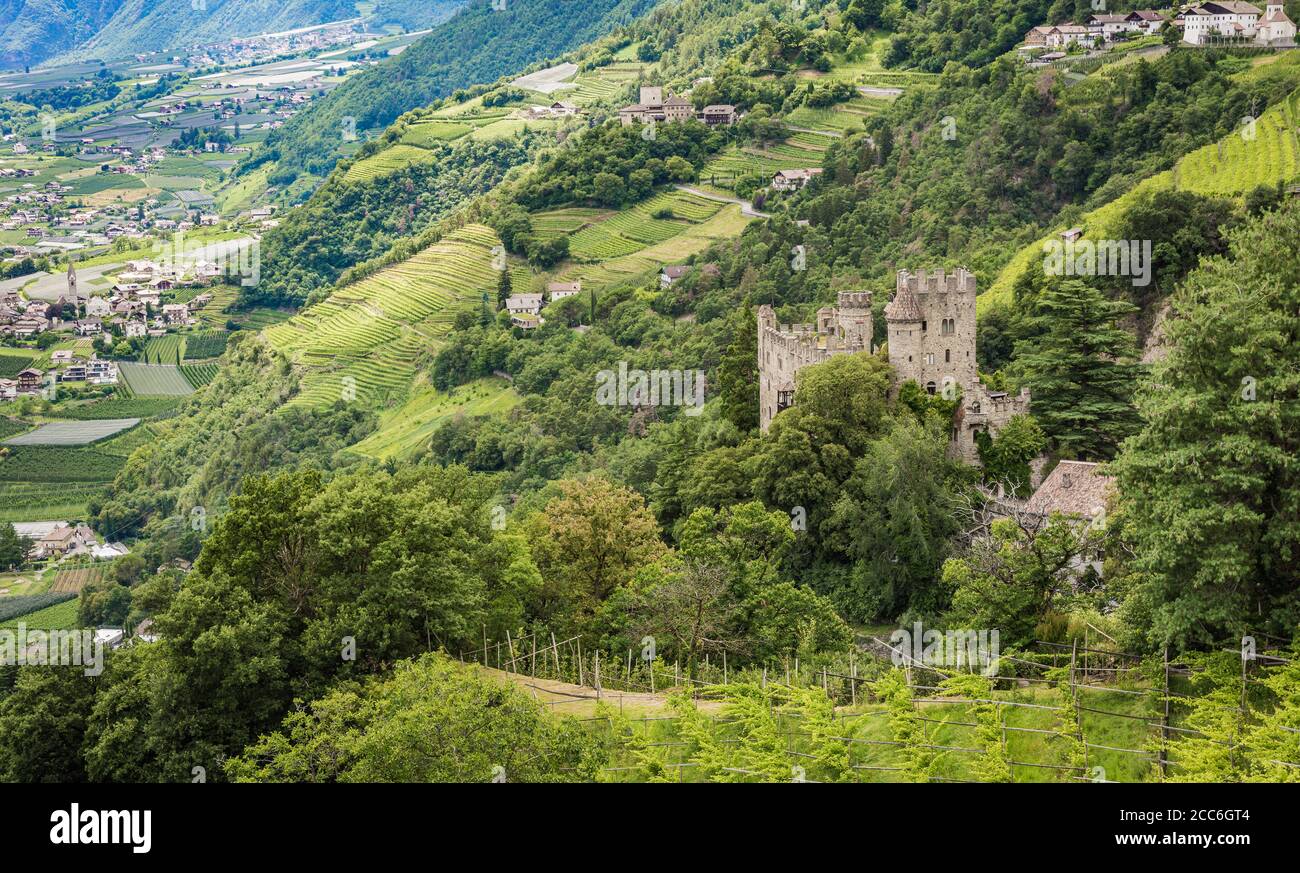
(480, 44)
(33, 30)
(73, 30)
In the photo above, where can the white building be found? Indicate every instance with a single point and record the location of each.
(1212, 22)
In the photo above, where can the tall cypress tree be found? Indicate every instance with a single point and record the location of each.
(504, 289)
(1080, 366)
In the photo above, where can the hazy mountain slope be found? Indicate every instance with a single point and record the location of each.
(33, 30)
(479, 44)
(145, 25)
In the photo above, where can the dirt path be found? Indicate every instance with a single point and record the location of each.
(746, 208)
(580, 700)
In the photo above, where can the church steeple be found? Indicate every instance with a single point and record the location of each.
(72, 282)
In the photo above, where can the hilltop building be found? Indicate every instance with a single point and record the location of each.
(1234, 20)
(931, 341)
(653, 107)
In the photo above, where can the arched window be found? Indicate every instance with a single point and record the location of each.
(931, 388)
(947, 356)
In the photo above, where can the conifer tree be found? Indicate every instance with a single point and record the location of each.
(1080, 367)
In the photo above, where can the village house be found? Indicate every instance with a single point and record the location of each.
(98, 307)
(524, 321)
(1237, 21)
(101, 372)
(653, 107)
(560, 290)
(670, 274)
(794, 180)
(176, 313)
(30, 381)
(524, 304)
(89, 327)
(132, 329)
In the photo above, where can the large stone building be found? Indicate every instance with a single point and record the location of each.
(931, 341)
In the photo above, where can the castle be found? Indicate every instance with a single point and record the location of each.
(931, 341)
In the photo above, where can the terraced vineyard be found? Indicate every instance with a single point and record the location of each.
(365, 340)
(393, 158)
(199, 375)
(606, 237)
(1264, 155)
(205, 344)
(726, 224)
(1233, 166)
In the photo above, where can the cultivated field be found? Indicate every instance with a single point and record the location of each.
(155, 380)
(364, 341)
(73, 433)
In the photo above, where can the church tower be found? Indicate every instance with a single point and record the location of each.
(72, 285)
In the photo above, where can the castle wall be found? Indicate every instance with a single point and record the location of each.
(931, 340)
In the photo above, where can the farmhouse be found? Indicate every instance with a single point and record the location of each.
(176, 313)
(29, 380)
(8, 389)
(89, 327)
(671, 274)
(560, 290)
(794, 180)
(1076, 489)
(653, 107)
(524, 304)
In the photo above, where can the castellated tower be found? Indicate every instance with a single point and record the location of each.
(932, 329)
(784, 350)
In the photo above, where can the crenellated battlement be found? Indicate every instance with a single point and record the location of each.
(931, 332)
(924, 282)
(854, 300)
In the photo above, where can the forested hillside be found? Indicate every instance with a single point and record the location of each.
(477, 45)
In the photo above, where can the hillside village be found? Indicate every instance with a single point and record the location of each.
(1232, 22)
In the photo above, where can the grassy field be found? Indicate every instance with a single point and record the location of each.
(155, 380)
(726, 224)
(407, 428)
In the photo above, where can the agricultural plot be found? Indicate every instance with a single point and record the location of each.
(735, 163)
(50, 482)
(73, 433)
(73, 580)
(12, 365)
(206, 344)
(391, 159)
(727, 224)
(647, 224)
(1266, 154)
(121, 407)
(155, 380)
(59, 617)
(409, 427)
(363, 342)
(199, 375)
(168, 349)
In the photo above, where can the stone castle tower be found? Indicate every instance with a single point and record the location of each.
(931, 331)
(784, 350)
